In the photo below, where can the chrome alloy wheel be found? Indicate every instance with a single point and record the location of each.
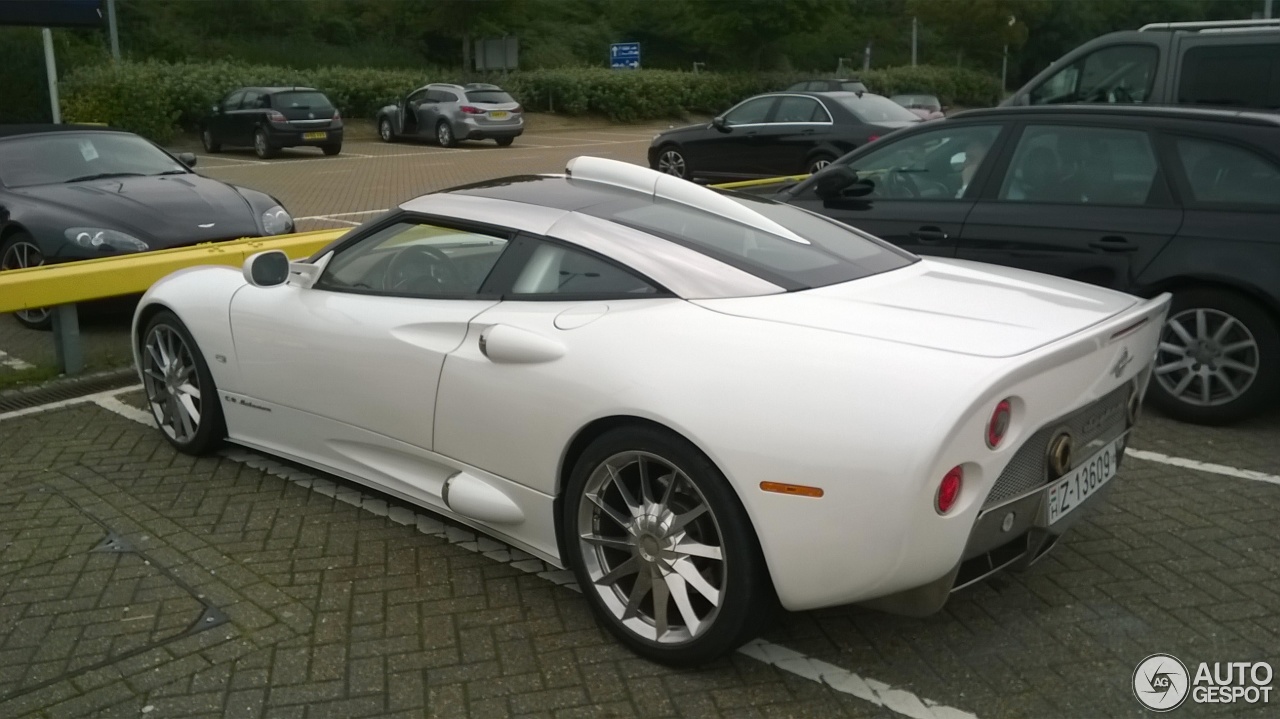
(672, 163)
(444, 135)
(172, 383)
(260, 143)
(652, 548)
(384, 130)
(19, 255)
(1206, 357)
(818, 165)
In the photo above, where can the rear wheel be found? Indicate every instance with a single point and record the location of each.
(180, 389)
(663, 549)
(1218, 360)
(210, 143)
(444, 134)
(332, 150)
(385, 131)
(505, 141)
(817, 163)
(17, 252)
(262, 145)
(672, 162)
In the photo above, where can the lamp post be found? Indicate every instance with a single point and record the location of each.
(1004, 61)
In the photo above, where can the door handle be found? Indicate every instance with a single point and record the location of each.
(1114, 243)
(929, 234)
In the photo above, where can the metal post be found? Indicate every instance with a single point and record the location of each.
(866, 57)
(111, 30)
(51, 70)
(915, 39)
(66, 339)
(1004, 71)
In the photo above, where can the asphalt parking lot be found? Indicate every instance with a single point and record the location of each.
(135, 581)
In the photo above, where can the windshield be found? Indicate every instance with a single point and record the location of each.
(301, 101)
(57, 157)
(924, 102)
(493, 96)
(833, 252)
(875, 108)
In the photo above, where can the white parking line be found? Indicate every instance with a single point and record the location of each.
(1202, 466)
(85, 399)
(12, 362)
(221, 158)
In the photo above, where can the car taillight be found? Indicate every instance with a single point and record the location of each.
(999, 423)
(472, 110)
(949, 490)
(337, 116)
(517, 110)
(873, 138)
(277, 117)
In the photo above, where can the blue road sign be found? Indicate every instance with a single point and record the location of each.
(624, 55)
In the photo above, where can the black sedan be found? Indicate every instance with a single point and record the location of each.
(76, 192)
(1140, 199)
(779, 133)
(270, 118)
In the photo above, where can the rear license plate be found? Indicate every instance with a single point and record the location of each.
(314, 135)
(498, 115)
(1072, 490)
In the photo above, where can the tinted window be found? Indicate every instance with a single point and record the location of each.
(853, 87)
(251, 100)
(57, 157)
(1119, 74)
(826, 253)
(494, 96)
(874, 108)
(233, 100)
(415, 260)
(416, 97)
(1081, 165)
(750, 112)
(800, 109)
(929, 165)
(1239, 75)
(553, 270)
(1228, 174)
(301, 101)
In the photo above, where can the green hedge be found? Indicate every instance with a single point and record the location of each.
(156, 98)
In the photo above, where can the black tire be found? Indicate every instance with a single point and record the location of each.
(444, 134)
(20, 249)
(505, 141)
(386, 131)
(262, 146)
(331, 150)
(817, 162)
(1245, 397)
(748, 601)
(671, 160)
(211, 144)
(211, 429)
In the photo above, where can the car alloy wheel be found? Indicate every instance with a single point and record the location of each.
(21, 252)
(444, 135)
(179, 387)
(672, 163)
(818, 164)
(261, 145)
(206, 138)
(384, 130)
(1206, 357)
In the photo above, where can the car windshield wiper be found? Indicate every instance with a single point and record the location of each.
(105, 175)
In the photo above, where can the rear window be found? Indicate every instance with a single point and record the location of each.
(301, 101)
(874, 108)
(493, 96)
(832, 253)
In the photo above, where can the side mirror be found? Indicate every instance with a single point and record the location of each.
(267, 269)
(834, 180)
(720, 124)
(187, 158)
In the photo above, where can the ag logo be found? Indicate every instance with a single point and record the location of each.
(1161, 682)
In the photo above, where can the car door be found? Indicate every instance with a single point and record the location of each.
(1088, 202)
(433, 110)
(733, 151)
(244, 117)
(347, 370)
(223, 123)
(799, 124)
(409, 112)
(922, 186)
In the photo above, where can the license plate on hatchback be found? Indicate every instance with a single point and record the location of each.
(1070, 491)
(314, 135)
(498, 115)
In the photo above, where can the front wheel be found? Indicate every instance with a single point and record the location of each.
(818, 163)
(211, 144)
(1218, 360)
(671, 161)
(386, 133)
(444, 135)
(17, 252)
(663, 549)
(180, 389)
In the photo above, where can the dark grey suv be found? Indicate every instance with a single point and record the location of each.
(449, 113)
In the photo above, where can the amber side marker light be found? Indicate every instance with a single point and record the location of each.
(798, 490)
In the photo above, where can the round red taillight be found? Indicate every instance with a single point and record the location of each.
(999, 423)
(949, 490)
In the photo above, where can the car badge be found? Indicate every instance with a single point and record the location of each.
(206, 226)
(1125, 359)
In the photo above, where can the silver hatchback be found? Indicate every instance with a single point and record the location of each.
(449, 113)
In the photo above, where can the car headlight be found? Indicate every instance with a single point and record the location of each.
(98, 238)
(276, 221)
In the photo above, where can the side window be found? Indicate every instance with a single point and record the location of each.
(929, 166)
(446, 96)
(793, 108)
(1218, 173)
(435, 96)
(232, 101)
(413, 259)
(751, 112)
(1118, 74)
(416, 97)
(553, 271)
(1081, 165)
(1231, 75)
(251, 100)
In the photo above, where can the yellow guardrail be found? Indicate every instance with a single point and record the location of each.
(758, 183)
(71, 282)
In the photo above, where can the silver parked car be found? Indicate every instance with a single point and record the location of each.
(450, 113)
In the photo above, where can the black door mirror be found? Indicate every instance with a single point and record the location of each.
(720, 124)
(836, 181)
(187, 158)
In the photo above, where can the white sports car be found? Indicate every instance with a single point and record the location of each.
(703, 403)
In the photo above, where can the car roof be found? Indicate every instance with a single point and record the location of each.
(1176, 112)
(43, 128)
(279, 88)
